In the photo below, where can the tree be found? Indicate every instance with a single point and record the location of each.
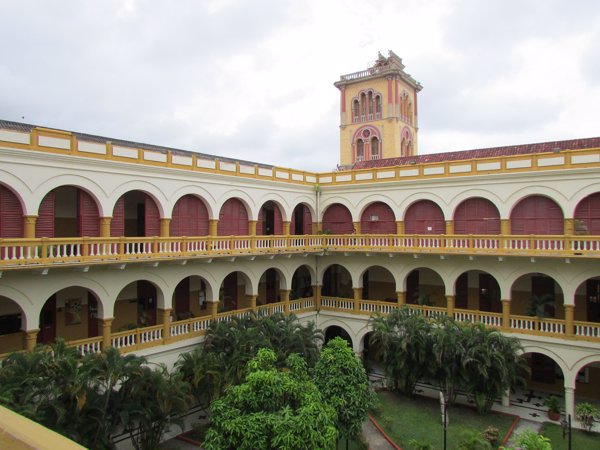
(492, 364)
(403, 339)
(343, 382)
(273, 409)
(152, 400)
(448, 353)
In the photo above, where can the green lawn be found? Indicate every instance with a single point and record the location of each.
(580, 439)
(404, 419)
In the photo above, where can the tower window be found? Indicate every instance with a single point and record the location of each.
(375, 148)
(360, 150)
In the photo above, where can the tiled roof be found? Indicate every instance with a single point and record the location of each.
(573, 144)
(26, 128)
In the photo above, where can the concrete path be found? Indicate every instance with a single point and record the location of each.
(374, 438)
(524, 424)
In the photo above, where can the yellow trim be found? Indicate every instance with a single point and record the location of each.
(467, 167)
(19, 433)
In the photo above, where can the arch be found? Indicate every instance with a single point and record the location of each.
(378, 283)
(537, 294)
(478, 290)
(200, 192)
(587, 300)
(189, 217)
(587, 215)
(366, 133)
(425, 286)
(301, 221)
(378, 218)
(333, 331)
(68, 211)
(12, 325)
(190, 297)
(541, 372)
(476, 215)
(338, 219)
(424, 217)
(233, 218)
(536, 214)
(271, 282)
(137, 214)
(71, 313)
(337, 282)
(270, 221)
(302, 282)
(11, 214)
(231, 294)
(136, 305)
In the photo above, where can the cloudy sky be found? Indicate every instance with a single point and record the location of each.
(253, 79)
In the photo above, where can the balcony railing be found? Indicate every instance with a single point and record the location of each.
(139, 338)
(68, 251)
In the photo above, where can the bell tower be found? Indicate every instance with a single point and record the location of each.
(378, 112)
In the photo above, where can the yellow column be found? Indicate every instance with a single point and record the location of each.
(357, 299)
(213, 308)
(570, 226)
(30, 338)
(569, 325)
(105, 226)
(29, 226)
(213, 227)
(317, 294)
(252, 301)
(317, 228)
(165, 230)
(401, 296)
(285, 298)
(106, 325)
(505, 227)
(286, 228)
(165, 319)
(399, 226)
(357, 227)
(450, 305)
(252, 227)
(449, 226)
(505, 314)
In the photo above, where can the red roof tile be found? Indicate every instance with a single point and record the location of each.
(573, 144)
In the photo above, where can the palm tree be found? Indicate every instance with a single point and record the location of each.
(405, 345)
(448, 352)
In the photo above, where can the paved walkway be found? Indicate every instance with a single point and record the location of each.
(524, 424)
(374, 438)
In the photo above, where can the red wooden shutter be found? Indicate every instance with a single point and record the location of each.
(117, 224)
(338, 220)
(537, 215)
(151, 217)
(89, 220)
(424, 217)
(307, 220)
(190, 217)
(476, 216)
(260, 222)
(233, 219)
(588, 210)
(277, 220)
(11, 215)
(378, 218)
(44, 226)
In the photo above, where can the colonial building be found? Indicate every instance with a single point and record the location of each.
(106, 242)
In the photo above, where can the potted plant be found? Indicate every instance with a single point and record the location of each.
(553, 404)
(587, 414)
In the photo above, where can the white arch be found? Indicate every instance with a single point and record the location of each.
(95, 190)
(243, 197)
(139, 185)
(420, 196)
(365, 202)
(279, 200)
(204, 195)
(529, 191)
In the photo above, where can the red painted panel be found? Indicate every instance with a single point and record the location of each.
(378, 218)
(424, 217)
(190, 217)
(476, 216)
(233, 219)
(276, 225)
(117, 224)
(307, 219)
(11, 215)
(302, 214)
(537, 215)
(338, 220)
(44, 226)
(151, 217)
(89, 219)
(588, 210)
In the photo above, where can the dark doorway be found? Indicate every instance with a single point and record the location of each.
(47, 332)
